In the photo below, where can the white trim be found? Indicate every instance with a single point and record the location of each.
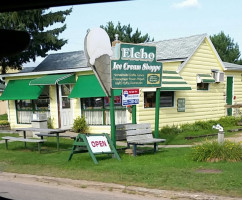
(171, 60)
(46, 72)
(213, 48)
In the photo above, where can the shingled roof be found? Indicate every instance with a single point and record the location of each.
(177, 49)
(62, 61)
(232, 66)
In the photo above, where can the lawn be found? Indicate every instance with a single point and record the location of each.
(170, 169)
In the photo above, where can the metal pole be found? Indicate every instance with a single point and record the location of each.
(112, 118)
(157, 112)
(134, 114)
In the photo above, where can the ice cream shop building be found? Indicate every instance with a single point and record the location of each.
(196, 85)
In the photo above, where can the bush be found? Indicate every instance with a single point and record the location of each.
(80, 125)
(170, 130)
(4, 117)
(50, 123)
(214, 152)
(4, 122)
(229, 121)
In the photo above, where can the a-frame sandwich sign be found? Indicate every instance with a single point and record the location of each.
(94, 144)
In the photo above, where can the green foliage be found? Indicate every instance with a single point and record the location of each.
(125, 33)
(229, 121)
(170, 130)
(4, 122)
(4, 117)
(176, 135)
(80, 125)
(213, 151)
(42, 40)
(226, 48)
(50, 123)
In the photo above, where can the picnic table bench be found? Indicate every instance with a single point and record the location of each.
(21, 139)
(138, 134)
(44, 132)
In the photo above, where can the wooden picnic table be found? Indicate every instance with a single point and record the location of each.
(42, 130)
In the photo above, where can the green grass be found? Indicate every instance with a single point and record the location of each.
(168, 169)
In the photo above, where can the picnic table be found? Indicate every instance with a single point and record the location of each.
(44, 132)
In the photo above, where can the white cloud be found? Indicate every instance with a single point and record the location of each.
(187, 4)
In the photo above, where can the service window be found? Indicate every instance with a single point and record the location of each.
(202, 86)
(166, 99)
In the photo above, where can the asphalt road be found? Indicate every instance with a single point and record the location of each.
(45, 191)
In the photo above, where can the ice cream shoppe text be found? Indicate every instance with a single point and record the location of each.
(136, 67)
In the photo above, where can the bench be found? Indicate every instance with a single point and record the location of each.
(138, 134)
(21, 139)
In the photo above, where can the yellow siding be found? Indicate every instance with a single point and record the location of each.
(200, 105)
(171, 66)
(99, 129)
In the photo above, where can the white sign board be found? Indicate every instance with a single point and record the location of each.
(130, 97)
(98, 144)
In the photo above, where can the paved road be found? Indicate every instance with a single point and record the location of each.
(45, 191)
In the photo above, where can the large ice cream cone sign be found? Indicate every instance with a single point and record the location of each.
(98, 52)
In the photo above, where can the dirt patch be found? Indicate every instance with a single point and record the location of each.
(209, 171)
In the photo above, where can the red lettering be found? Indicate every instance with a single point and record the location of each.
(98, 143)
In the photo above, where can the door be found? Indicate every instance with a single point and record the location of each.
(229, 94)
(66, 111)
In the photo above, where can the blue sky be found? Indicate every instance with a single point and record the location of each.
(161, 19)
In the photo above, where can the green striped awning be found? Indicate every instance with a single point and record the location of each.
(88, 86)
(172, 81)
(205, 78)
(21, 90)
(54, 79)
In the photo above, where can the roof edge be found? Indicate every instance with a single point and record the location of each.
(46, 72)
(213, 48)
(186, 61)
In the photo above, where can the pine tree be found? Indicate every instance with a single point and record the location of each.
(42, 38)
(226, 48)
(125, 33)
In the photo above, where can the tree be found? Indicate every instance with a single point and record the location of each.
(42, 38)
(125, 33)
(226, 48)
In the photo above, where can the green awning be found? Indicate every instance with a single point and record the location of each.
(172, 81)
(21, 90)
(88, 86)
(205, 78)
(54, 79)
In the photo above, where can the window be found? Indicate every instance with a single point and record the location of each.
(26, 108)
(96, 110)
(65, 91)
(202, 86)
(166, 99)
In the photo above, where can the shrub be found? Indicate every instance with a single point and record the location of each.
(4, 117)
(4, 122)
(213, 152)
(170, 130)
(50, 123)
(229, 121)
(80, 125)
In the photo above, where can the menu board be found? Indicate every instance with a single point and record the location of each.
(181, 105)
